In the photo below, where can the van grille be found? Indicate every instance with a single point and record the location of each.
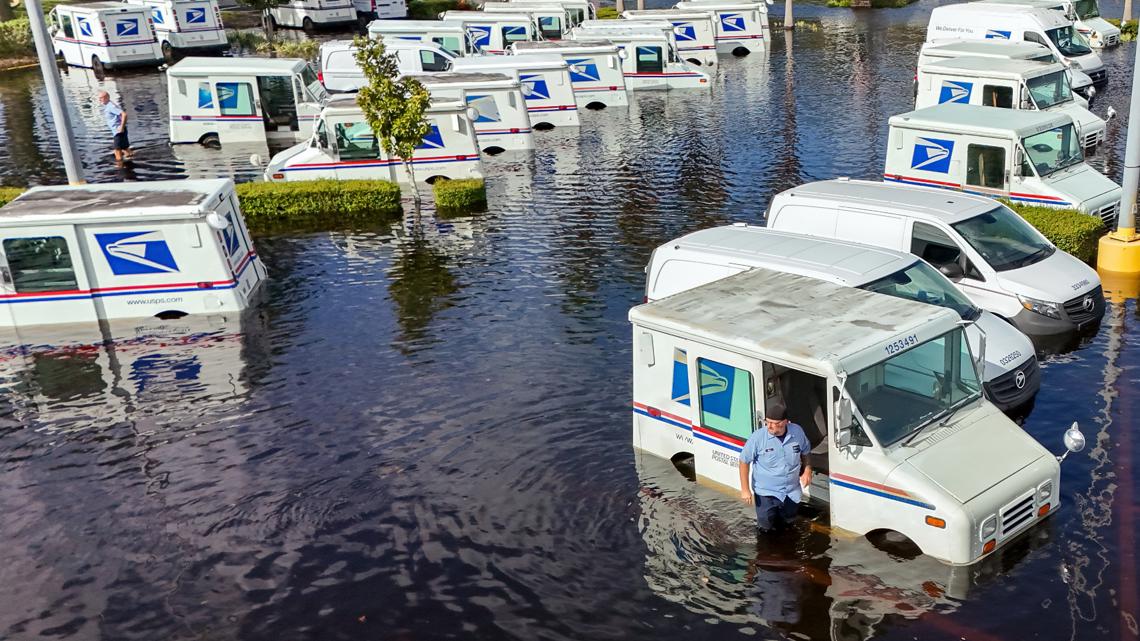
(1004, 391)
(1076, 310)
(1016, 515)
(1098, 76)
(1111, 41)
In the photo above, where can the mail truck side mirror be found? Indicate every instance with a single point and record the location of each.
(843, 437)
(843, 418)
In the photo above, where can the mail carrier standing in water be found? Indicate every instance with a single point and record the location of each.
(774, 469)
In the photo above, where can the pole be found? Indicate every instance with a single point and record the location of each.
(59, 114)
(1119, 251)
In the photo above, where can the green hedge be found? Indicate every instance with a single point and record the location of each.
(430, 9)
(608, 13)
(460, 196)
(316, 203)
(1127, 30)
(16, 39)
(8, 194)
(1068, 229)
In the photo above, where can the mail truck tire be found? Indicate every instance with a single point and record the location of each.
(171, 314)
(543, 126)
(210, 141)
(740, 52)
(307, 24)
(434, 179)
(694, 61)
(493, 150)
(894, 543)
(168, 53)
(97, 66)
(595, 106)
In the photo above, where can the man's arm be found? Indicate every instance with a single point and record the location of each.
(745, 481)
(122, 120)
(805, 475)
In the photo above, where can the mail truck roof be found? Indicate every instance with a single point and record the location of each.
(70, 204)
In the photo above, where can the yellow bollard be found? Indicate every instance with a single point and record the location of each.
(1119, 252)
(1119, 286)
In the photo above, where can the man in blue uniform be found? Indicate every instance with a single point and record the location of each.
(774, 467)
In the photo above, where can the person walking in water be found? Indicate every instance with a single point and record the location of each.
(774, 469)
(116, 120)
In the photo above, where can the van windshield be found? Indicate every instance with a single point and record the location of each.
(921, 282)
(919, 383)
(1004, 239)
(1086, 9)
(1050, 90)
(1069, 42)
(1053, 150)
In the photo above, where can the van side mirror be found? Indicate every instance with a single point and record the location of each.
(952, 270)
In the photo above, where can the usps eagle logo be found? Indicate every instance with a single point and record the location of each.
(127, 27)
(196, 16)
(538, 87)
(481, 36)
(156, 14)
(85, 28)
(582, 70)
(955, 91)
(434, 139)
(131, 253)
(932, 154)
(997, 34)
(685, 31)
(732, 22)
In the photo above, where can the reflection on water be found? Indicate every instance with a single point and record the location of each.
(423, 431)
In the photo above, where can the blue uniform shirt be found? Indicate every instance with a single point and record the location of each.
(112, 113)
(775, 463)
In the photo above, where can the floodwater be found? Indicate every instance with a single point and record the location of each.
(423, 432)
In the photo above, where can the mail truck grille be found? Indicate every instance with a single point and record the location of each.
(1097, 76)
(1091, 139)
(1111, 41)
(1004, 390)
(1078, 312)
(1016, 515)
(1108, 213)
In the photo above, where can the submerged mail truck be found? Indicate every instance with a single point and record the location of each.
(595, 69)
(1006, 50)
(552, 19)
(451, 37)
(104, 35)
(1010, 374)
(185, 26)
(1010, 84)
(741, 27)
(493, 32)
(886, 390)
(544, 81)
(216, 102)
(694, 31)
(86, 253)
(1031, 157)
(649, 58)
(500, 115)
(310, 14)
(576, 10)
(343, 147)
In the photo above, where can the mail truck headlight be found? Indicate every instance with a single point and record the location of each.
(1044, 492)
(989, 527)
(1045, 308)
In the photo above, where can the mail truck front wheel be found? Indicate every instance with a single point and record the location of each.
(97, 66)
(740, 52)
(894, 543)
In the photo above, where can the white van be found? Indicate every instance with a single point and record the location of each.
(595, 69)
(311, 14)
(452, 37)
(886, 390)
(552, 20)
(650, 61)
(215, 101)
(343, 147)
(493, 32)
(741, 27)
(545, 83)
(104, 35)
(1010, 84)
(1085, 15)
(1010, 374)
(186, 26)
(1030, 157)
(694, 31)
(985, 21)
(1004, 49)
(97, 252)
(1000, 261)
(368, 10)
(576, 10)
(339, 72)
(500, 116)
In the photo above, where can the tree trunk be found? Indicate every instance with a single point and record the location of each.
(620, 5)
(1127, 11)
(412, 179)
(789, 23)
(6, 13)
(267, 25)
(641, 5)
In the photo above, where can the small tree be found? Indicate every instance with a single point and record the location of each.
(264, 6)
(393, 106)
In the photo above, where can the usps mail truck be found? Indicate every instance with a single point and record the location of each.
(1085, 15)
(104, 35)
(650, 60)
(595, 69)
(576, 10)
(215, 102)
(741, 27)
(544, 81)
(90, 253)
(1032, 157)
(985, 21)
(493, 32)
(1010, 84)
(343, 147)
(886, 390)
(552, 20)
(368, 10)
(1000, 261)
(500, 115)
(694, 31)
(1006, 50)
(452, 37)
(313, 14)
(339, 72)
(187, 26)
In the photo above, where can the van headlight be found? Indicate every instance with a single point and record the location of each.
(989, 527)
(1044, 492)
(1045, 308)
(1073, 64)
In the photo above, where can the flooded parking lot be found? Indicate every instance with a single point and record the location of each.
(424, 430)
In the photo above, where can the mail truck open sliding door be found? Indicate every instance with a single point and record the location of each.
(725, 396)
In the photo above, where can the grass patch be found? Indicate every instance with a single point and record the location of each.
(1127, 29)
(16, 39)
(874, 4)
(1070, 230)
(241, 19)
(460, 196)
(316, 203)
(8, 194)
(253, 41)
(608, 13)
(430, 9)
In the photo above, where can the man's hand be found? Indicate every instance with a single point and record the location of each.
(746, 496)
(805, 477)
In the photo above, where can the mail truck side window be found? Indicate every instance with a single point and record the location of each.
(550, 27)
(40, 264)
(726, 398)
(650, 60)
(355, 141)
(449, 44)
(235, 98)
(65, 22)
(985, 166)
(432, 61)
(997, 96)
